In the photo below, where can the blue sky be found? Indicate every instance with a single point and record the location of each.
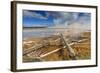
(33, 18)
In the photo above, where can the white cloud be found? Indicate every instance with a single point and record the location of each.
(62, 18)
(33, 14)
(65, 19)
(72, 20)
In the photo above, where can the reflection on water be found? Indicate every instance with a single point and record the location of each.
(40, 32)
(45, 32)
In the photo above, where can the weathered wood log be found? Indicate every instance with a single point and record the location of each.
(44, 55)
(33, 48)
(72, 53)
(38, 46)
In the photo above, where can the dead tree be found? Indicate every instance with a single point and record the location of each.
(71, 52)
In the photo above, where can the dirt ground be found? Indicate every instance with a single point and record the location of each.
(82, 49)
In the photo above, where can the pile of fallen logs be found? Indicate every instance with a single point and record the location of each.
(49, 42)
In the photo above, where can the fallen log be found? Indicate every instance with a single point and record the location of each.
(33, 48)
(72, 53)
(44, 55)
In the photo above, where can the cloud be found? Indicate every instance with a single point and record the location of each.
(82, 24)
(34, 14)
(85, 18)
(72, 19)
(64, 18)
(61, 17)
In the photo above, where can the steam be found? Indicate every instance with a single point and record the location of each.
(74, 30)
(74, 24)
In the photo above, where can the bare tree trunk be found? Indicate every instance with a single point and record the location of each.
(72, 53)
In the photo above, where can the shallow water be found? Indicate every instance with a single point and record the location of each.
(41, 32)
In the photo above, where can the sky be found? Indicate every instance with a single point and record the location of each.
(58, 19)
